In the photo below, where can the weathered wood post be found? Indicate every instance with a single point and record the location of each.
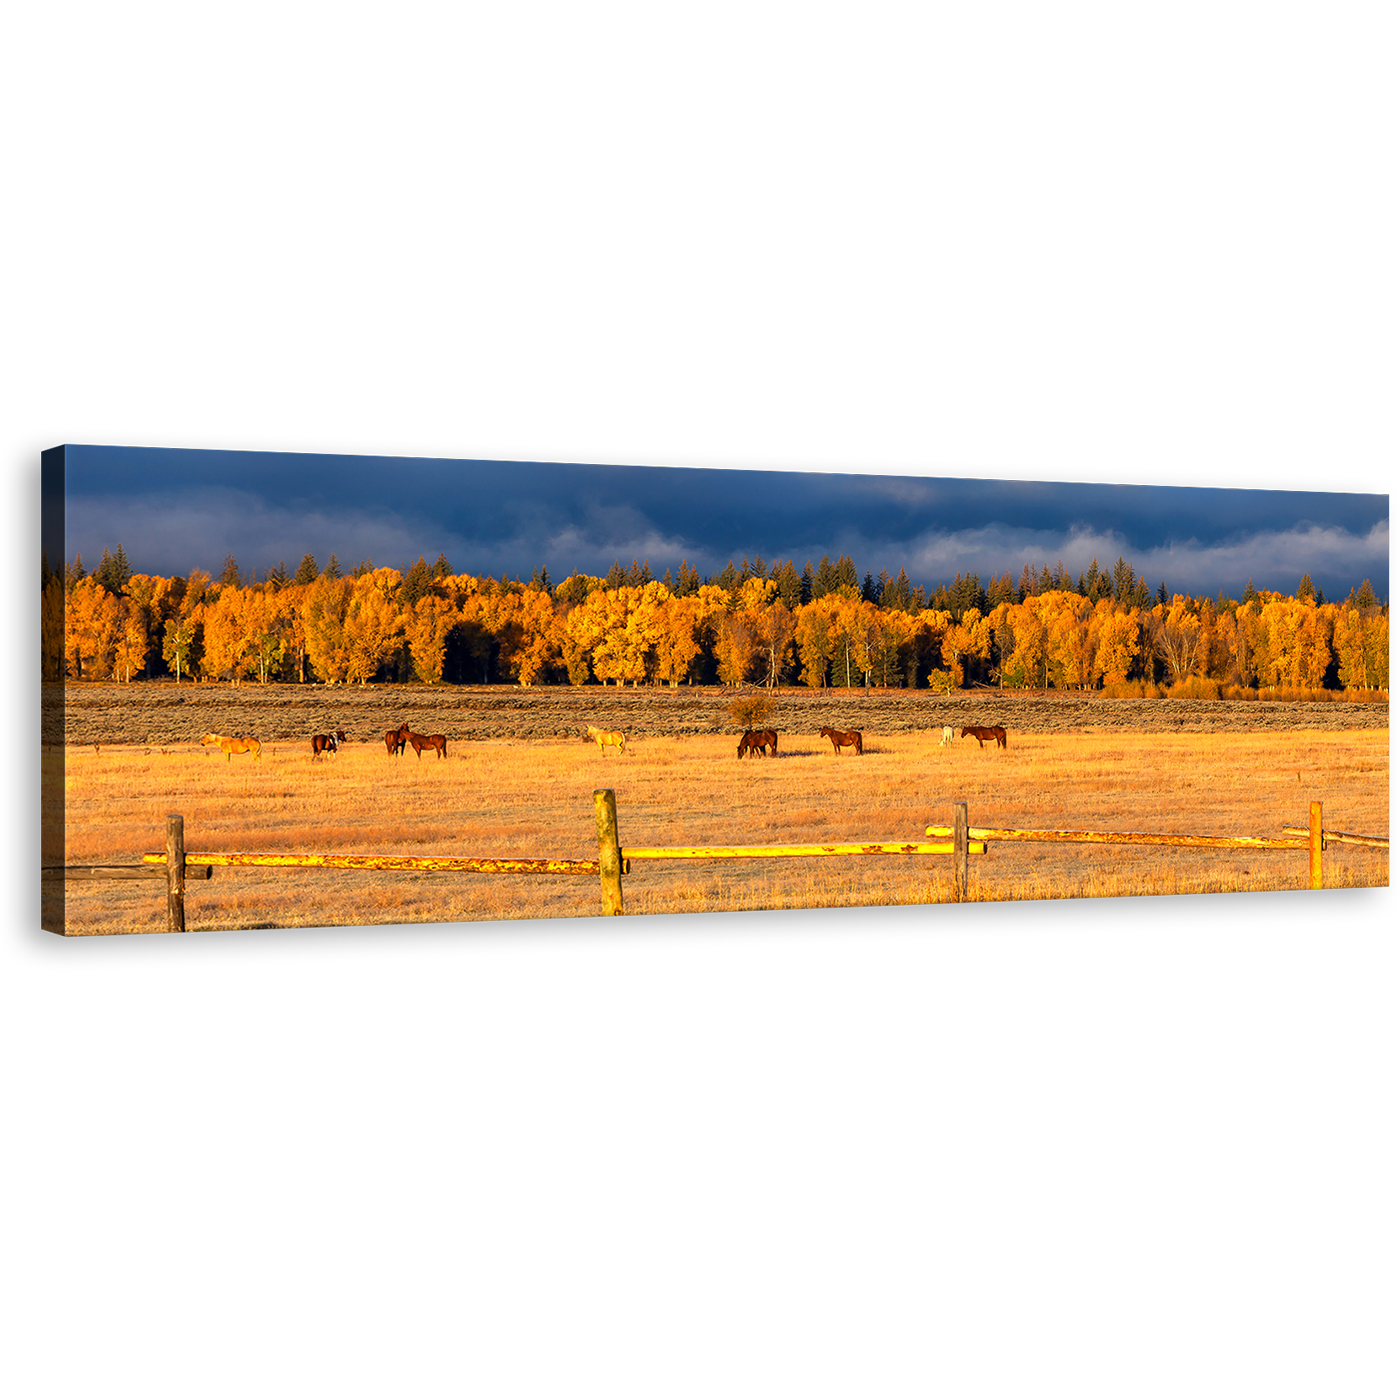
(609, 851)
(1315, 846)
(960, 848)
(175, 873)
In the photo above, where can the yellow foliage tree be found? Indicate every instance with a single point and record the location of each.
(323, 612)
(373, 625)
(428, 624)
(1119, 642)
(91, 627)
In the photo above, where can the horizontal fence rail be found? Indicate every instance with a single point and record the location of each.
(1130, 838)
(844, 848)
(125, 872)
(1343, 838)
(1311, 838)
(960, 840)
(316, 860)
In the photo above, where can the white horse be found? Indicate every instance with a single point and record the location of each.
(947, 737)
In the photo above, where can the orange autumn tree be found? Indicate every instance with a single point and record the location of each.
(1119, 643)
(427, 625)
(323, 612)
(91, 628)
(970, 637)
(1072, 639)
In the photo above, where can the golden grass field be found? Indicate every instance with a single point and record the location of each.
(535, 798)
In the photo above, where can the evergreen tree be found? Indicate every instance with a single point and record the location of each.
(442, 569)
(1060, 579)
(809, 583)
(1027, 588)
(687, 580)
(1362, 598)
(846, 572)
(113, 573)
(1094, 586)
(278, 577)
(825, 580)
(417, 583)
(1045, 582)
(1251, 594)
(1000, 590)
(868, 592)
(333, 569)
(789, 586)
(365, 566)
(308, 571)
(540, 579)
(729, 578)
(73, 572)
(667, 583)
(1162, 596)
(616, 577)
(232, 576)
(1305, 589)
(121, 570)
(1123, 581)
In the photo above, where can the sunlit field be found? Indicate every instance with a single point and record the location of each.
(535, 798)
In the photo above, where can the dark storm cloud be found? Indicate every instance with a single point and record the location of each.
(177, 510)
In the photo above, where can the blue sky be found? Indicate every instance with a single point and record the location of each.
(174, 510)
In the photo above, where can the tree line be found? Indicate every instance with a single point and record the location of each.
(761, 623)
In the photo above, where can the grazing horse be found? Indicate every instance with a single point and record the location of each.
(995, 733)
(604, 737)
(232, 744)
(947, 737)
(425, 741)
(394, 740)
(326, 743)
(843, 739)
(758, 741)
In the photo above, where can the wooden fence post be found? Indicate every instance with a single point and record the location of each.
(960, 849)
(175, 873)
(1315, 846)
(609, 851)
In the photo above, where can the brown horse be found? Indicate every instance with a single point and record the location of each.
(843, 739)
(425, 741)
(326, 743)
(232, 744)
(995, 733)
(394, 740)
(758, 741)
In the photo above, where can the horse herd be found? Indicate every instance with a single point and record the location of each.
(755, 742)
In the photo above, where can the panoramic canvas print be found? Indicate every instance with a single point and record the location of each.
(286, 689)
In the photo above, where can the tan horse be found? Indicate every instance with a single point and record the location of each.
(604, 737)
(232, 744)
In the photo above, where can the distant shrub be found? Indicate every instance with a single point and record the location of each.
(751, 711)
(1195, 688)
(1132, 690)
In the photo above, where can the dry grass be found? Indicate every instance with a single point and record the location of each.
(534, 798)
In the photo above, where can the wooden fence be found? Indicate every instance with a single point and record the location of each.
(1311, 838)
(177, 866)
